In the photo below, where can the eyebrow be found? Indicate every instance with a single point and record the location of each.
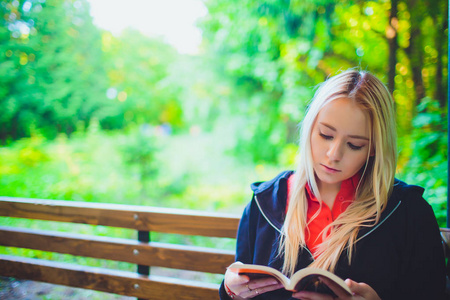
(351, 136)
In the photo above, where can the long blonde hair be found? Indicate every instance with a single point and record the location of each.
(376, 183)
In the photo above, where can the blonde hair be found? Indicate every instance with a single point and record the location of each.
(376, 183)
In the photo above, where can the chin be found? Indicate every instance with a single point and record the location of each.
(330, 179)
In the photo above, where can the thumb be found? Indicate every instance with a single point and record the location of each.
(354, 286)
(357, 288)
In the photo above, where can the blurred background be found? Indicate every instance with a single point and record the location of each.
(185, 103)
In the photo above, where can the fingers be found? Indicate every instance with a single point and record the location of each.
(362, 289)
(337, 290)
(355, 287)
(256, 287)
(243, 287)
(235, 282)
(261, 286)
(305, 295)
(359, 290)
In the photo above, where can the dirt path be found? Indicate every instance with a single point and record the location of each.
(12, 289)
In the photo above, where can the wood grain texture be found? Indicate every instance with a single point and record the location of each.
(111, 281)
(144, 218)
(445, 235)
(151, 254)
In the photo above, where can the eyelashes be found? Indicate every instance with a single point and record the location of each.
(350, 145)
(353, 147)
(326, 137)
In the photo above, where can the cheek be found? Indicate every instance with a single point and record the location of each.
(359, 160)
(315, 147)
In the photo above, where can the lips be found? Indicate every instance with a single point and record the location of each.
(330, 170)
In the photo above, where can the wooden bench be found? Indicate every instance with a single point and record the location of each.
(142, 252)
(445, 235)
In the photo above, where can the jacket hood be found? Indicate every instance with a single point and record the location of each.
(271, 197)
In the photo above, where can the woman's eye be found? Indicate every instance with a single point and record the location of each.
(327, 137)
(353, 147)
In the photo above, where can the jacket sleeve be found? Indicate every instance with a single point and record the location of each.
(244, 243)
(424, 269)
(245, 240)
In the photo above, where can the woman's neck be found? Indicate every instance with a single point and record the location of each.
(328, 192)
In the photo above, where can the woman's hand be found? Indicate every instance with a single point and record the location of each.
(361, 291)
(244, 288)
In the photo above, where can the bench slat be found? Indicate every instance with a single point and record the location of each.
(143, 218)
(152, 254)
(111, 281)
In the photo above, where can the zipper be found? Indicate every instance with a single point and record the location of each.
(265, 217)
(276, 228)
(379, 224)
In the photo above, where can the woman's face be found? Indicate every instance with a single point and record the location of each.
(339, 142)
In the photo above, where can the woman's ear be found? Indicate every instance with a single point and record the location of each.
(372, 152)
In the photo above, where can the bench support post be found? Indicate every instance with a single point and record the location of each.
(143, 236)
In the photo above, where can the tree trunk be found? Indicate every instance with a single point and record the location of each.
(414, 51)
(393, 45)
(441, 41)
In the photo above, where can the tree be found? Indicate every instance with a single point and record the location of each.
(54, 58)
(276, 51)
(138, 69)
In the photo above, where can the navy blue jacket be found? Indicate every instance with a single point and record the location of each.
(401, 257)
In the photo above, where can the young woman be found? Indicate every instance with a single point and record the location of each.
(342, 209)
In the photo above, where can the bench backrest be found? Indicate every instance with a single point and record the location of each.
(445, 235)
(142, 253)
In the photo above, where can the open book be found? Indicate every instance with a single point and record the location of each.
(305, 279)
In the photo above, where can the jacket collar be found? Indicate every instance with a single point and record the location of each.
(399, 194)
(271, 197)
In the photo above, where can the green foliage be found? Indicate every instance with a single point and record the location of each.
(141, 167)
(101, 167)
(55, 74)
(274, 52)
(89, 116)
(428, 166)
(140, 149)
(138, 70)
(59, 72)
(231, 112)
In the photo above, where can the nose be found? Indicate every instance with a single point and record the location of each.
(335, 151)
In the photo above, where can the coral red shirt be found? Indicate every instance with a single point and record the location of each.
(326, 215)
